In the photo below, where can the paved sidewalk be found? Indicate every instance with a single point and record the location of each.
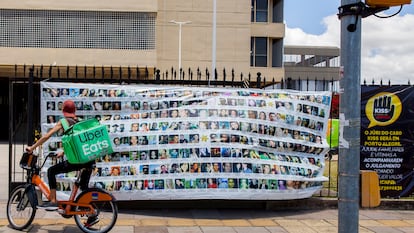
(229, 221)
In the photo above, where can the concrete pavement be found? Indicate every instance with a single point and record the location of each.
(229, 221)
(217, 218)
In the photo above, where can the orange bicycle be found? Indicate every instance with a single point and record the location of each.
(92, 203)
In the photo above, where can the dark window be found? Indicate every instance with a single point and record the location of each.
(259, 11)
(277, 12)
(258, 56)
(277, 50)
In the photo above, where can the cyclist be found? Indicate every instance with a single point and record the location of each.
(68, 110)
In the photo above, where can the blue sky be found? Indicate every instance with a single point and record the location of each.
(308, 14)
(387, 44)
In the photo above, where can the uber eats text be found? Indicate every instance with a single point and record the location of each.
(92, 143)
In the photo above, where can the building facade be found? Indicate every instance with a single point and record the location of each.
(312, 68)
(147, 33)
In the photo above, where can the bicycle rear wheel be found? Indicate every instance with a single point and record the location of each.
(106, 216)
(20, 212)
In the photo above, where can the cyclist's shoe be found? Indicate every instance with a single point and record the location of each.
(92, 220)
(49, 206)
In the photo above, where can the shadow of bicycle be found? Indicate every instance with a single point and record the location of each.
(55, 228)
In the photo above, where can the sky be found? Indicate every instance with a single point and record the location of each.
(387, 44)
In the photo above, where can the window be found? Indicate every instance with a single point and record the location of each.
(277, 51)
(259, 11)
(277, 11)
(77, 29)
(258, 52)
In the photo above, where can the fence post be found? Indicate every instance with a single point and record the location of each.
(208, 77)
(129, 74)
(157, 76)
(103, 73)
(224, 77)
(30, 103)
(258, 79)
(50, 71)
(76, 72)
(120, 75)
(232, 77)
(85, 72)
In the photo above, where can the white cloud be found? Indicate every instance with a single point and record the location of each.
(387, 46)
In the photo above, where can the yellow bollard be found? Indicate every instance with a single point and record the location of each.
(370, 193)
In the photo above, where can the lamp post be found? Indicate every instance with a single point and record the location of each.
(180, 24)
(214, 41)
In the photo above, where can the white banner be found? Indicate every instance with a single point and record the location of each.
(199, 143)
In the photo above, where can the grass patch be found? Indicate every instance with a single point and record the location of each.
(331, 171)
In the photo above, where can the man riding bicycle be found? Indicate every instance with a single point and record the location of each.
(68, 110)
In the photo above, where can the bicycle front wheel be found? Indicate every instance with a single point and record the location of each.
(101, 222)
(20, 212)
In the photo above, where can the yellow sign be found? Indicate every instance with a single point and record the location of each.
(383, 109)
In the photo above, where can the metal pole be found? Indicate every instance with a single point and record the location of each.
(30, 136)
(179, 49)
(180, 24)
(11, 135)
(214, 41)
(350, 114)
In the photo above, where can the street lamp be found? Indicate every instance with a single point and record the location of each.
(180, 24)
(214, 41)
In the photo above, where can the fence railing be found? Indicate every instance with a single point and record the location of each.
(151, 75)
(32, 75)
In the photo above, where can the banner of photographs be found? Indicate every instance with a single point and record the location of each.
(195, 183)
(150, 124)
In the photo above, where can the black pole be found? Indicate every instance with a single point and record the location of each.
(30, 108)
(11, 117)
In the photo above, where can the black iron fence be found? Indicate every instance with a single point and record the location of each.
(24, 96)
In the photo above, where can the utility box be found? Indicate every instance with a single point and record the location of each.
(370, 193)
(386, 3)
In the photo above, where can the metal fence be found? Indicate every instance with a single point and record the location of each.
(24, 96)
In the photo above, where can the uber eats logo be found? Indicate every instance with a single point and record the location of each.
(94, 141)
(383, 109)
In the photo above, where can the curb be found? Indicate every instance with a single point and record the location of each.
(316, 203)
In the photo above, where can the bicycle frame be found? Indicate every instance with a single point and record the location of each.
(66, 206)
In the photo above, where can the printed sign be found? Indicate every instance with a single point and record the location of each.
(174, 142)
(387, 138)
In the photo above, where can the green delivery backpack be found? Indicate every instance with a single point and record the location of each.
(85, 141)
